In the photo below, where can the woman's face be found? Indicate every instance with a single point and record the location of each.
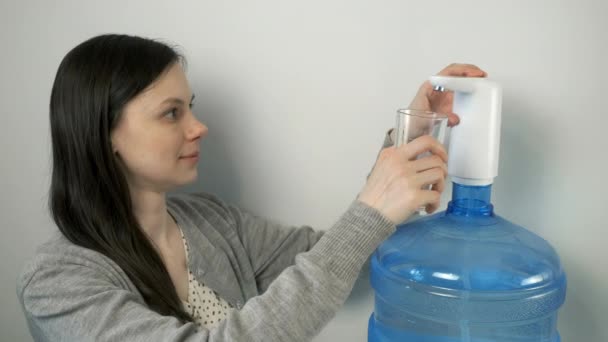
(157, 137)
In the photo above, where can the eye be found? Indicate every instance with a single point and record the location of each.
(171, 114)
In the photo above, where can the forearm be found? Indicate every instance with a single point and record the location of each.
(307, 295)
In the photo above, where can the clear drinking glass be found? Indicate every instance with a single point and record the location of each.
(413, 123)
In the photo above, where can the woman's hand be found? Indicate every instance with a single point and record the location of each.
(395, 185)
(441, 102)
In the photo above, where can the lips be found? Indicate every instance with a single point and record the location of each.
(191, 155)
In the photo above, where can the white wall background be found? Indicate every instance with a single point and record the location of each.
(303, 92)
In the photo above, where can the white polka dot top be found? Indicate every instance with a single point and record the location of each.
(204, 305)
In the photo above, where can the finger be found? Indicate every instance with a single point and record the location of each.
(430, 162)
(428, 177)
(461, 69)
(453, 119)
(439, 186)
(431, 208)
(430, 200)
(464, 70)
(422, 144)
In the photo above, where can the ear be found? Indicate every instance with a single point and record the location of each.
(113, 143)
(115, 152)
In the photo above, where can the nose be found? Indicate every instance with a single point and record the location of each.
(196, 129)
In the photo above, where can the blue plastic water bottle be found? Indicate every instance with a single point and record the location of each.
(467, 274)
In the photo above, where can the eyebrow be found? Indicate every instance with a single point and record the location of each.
(177, 100)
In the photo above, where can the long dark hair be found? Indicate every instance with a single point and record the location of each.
(89, 195)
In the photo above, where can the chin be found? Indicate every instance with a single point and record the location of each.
(186, 178)
(191, 179)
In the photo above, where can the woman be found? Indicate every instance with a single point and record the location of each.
(133, 264)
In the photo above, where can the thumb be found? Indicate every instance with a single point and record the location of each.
(453, 119)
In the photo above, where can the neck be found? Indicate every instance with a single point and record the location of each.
(471, 200)
(150, 210)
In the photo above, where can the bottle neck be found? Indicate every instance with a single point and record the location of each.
(471, 200)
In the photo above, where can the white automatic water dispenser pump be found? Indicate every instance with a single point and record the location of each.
(475, 141)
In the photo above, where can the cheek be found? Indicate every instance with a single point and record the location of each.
(151, 157)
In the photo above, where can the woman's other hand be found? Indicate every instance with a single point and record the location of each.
(441, 101)
(395, 185)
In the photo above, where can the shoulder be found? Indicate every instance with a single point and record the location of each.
(59, 261)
